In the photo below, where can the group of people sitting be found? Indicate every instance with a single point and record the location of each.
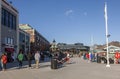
(62, 57)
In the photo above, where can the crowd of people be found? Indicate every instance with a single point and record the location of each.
(61, 57)
(101, 57)
(20, 58)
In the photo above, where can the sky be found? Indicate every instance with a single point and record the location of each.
(71, 21)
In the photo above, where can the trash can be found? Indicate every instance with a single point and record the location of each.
(54, 64)
(98, 59)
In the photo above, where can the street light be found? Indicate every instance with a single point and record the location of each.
(107, 35)
(53, 46)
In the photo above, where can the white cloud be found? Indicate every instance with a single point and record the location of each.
(68, 12)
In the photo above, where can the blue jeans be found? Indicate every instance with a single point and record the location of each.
(20, 64)
(1, 65)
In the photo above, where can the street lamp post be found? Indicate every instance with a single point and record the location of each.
(107, 35)
(53, 46)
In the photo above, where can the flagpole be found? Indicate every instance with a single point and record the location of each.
(91, 49)
(107, 35)
(91, 52)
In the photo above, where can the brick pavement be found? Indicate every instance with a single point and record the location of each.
(79, 69)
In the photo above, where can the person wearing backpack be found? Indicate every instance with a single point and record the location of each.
(4, 61)
(20, 59)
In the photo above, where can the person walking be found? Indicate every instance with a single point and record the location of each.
(37, 58)
(20, 59)
(42, 56)
(68, 57)
(29, 57)
(3, 61)
(116, 57)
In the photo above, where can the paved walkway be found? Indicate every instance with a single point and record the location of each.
(78, 69)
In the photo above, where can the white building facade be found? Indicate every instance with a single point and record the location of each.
(0, 27)
(9, 33)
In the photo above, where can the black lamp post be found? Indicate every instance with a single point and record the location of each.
(53, 47)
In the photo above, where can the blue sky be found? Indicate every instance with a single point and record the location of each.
(71, 21)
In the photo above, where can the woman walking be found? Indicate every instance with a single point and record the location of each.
(37, 58)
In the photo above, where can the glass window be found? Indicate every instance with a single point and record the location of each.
(11, 26)
(5, 40)
(8, 15)
(3, 16)
(14, 22)
(12, 41)
(8, 41)
(8, 19)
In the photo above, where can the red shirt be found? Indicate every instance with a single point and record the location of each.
(87, 55)
(4, 59)
(117, 55)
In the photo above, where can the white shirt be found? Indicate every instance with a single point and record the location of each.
(37, 56)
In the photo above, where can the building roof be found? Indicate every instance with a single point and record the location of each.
(112, 47)
(20, 30)
(10, 5)
(98, 50)
(72, 46)
(25, 26)
(29, 27)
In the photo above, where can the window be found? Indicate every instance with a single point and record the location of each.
(8, 19)
(14, 22)
(3, 17)
(11, 25)
(22, 37)
(9, 40)
(5, 40)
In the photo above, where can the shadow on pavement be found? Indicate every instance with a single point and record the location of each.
(15, 64)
